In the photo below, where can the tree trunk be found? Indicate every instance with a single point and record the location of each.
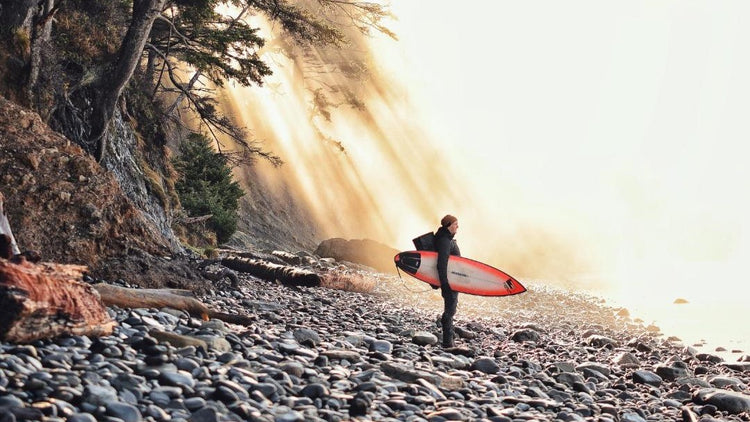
(164, 298)
(47, 300)
(41, 31)
(292, 276)
(26, 27)
(110, 85)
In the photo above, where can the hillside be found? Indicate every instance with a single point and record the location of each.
(62, 204)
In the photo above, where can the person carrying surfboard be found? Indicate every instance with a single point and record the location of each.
(445, 246)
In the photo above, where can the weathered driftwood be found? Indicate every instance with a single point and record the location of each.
(293, 276)
(164, 298)
(217, 276)
(46, 300)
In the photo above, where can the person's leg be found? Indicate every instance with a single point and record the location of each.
(450, 299)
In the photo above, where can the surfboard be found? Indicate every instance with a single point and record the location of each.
(464, 275)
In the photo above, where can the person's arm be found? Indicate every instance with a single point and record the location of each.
(443, 245)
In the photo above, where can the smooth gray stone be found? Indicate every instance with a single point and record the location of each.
(673, 403)
(728, 401)
(177, 379)
(129, 397)
(631, 417)
(290, 416)
(452, 361)
(448, 414)
(225, 395)
(229, 358)
(356, 340)
(383, 346)
(157, 413)
(602, 369)
(721, 382)
(315, 390)
(424, 338)
(707, 357)
(11, 401)
(205, 415)
(195, 403)
(737, 366)
(163, 395)
(698, 382)
(266, 388)
(99, 395)
(601, 341)
(526, 335)
(349, 355)
(569, 378)
(186, 364)
(292, 368)
(130, 382)
(486, 365)
(646, 377)
(464, 333)
(563, 366)
(215, 324)
(82, 417)
(307, 337)
(671, 373)
(626, 360)
(126, 412)
(408, 374)
(216, 343)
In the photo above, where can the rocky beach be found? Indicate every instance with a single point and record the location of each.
(316, 353)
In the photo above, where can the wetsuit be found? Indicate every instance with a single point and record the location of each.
(446, 246)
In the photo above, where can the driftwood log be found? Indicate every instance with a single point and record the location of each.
(217, 276)
(46, 300)
(164, 298)
(291, 276)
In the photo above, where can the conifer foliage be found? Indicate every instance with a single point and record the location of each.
(205, 185)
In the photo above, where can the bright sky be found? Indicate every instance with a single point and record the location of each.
(621, 124)
(628, 120)
(612, 131)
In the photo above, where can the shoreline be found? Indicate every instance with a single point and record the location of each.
(323, 354)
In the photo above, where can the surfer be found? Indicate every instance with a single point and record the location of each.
(446, 246)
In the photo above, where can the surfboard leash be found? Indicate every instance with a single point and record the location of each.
(407, 287)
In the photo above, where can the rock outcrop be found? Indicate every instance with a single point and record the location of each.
(360, 251)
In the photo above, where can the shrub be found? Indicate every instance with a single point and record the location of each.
(205, 185)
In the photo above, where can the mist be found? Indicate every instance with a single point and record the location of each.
(590, 145)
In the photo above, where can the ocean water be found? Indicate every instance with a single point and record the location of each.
(709, 326)
(704, 306)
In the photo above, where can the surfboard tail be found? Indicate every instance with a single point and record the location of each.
(409, 262)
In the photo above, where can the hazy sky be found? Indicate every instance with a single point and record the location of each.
(627, 120)
(613, 132)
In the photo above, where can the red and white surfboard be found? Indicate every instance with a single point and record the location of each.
(464, 275)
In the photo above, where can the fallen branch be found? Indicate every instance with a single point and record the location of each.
(47, 300)
(163, 298)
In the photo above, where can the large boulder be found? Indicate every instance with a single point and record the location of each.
(360, 251)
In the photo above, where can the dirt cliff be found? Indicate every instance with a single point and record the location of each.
(62, 204)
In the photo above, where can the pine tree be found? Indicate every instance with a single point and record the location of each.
(205, 185)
